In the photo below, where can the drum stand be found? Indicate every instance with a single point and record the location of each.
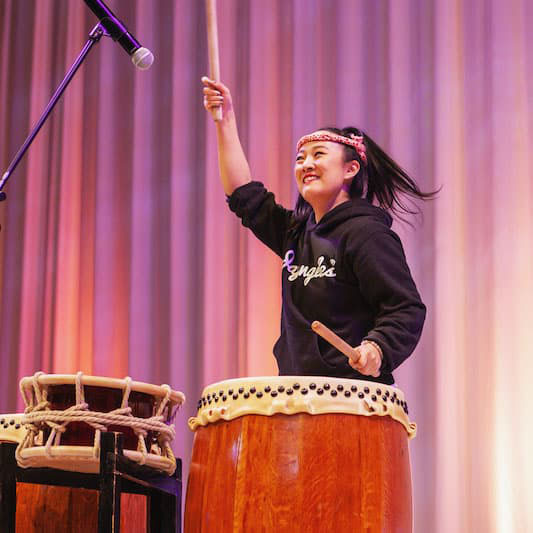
(117, 475)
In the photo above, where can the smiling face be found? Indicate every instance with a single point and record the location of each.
(322, 176)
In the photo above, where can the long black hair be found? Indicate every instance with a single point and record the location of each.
(381, 178)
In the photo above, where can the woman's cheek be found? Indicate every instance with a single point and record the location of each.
(299, 183)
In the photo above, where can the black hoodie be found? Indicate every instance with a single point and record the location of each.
(348, 271)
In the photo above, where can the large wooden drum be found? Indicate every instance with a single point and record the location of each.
(302, 454)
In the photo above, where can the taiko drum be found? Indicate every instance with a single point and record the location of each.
(54, 509)
(302, 454)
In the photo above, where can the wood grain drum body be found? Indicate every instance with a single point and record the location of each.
(303, 454)
(74, 445)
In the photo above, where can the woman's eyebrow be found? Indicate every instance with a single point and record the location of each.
(323, 147)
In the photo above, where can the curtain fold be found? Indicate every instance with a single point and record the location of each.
(119, 256)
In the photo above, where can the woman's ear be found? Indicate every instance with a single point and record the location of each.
(352, 169)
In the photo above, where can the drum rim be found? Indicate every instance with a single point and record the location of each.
(103, 382)
(85, 454)
(234, 404)
(336, 380)
(11, 433)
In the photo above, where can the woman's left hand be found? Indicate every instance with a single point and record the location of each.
(366, 360)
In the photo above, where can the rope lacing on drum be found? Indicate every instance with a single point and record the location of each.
(164, 440)
(35, 416)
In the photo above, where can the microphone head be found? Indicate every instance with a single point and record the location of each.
(142, 58)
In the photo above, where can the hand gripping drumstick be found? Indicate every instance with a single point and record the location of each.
(333, 339)
(212, 47)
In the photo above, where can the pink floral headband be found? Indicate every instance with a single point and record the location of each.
(354, 141)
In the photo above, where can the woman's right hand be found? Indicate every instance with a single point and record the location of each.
(217, 95)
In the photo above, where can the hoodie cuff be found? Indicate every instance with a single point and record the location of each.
(386, 366)
(240, 198)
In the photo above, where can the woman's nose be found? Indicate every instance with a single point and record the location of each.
(308, 163)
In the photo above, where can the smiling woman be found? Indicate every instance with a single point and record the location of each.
(342, 263)
(323, 174)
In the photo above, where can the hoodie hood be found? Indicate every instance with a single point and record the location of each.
(354, 208)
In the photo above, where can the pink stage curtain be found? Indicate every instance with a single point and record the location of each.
(118, 255)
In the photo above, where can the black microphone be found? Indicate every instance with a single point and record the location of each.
(141, 57)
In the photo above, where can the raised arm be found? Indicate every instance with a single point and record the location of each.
(232, 163)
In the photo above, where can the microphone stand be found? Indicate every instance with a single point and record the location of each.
(96, 34)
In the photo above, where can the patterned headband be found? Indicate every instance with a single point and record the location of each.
(354, 141)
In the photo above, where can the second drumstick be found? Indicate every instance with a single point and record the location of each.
(335, 340)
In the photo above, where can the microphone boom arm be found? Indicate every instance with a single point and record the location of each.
(94, 36)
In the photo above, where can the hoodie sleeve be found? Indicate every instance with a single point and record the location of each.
(386, 283)
(258, 210)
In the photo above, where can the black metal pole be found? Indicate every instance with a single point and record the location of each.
(95, 35)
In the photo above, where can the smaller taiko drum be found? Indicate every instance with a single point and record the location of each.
(65, 414)
(300, 454)
(60, 428)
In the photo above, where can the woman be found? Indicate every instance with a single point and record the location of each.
(342, 264)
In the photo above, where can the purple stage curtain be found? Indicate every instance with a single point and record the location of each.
(119, 256)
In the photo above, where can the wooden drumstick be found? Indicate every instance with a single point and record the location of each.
(212, 48)
(333, 339)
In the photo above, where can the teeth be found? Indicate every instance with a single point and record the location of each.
(307, 179)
